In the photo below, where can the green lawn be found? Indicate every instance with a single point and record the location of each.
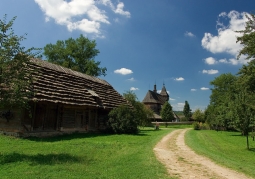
(225, 148)
(83, 156)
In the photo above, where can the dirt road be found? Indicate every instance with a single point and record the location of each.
(182, 162)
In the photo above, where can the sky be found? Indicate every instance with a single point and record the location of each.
(183, 44)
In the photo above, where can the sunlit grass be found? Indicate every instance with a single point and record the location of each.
(225, 148)
(83, 156)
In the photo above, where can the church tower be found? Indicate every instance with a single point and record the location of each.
(164, 92)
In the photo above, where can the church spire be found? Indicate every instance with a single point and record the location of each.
(164, 92)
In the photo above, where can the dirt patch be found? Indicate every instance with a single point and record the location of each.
(182, 162)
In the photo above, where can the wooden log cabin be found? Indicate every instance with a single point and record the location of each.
(64, 101)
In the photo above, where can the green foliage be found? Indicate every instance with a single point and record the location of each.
(76, 54)
(196, 126)
(225, 148)
(248, 38)
(122, 120)
(200, 126)
(142, 113)
(166, 112)
(15, 76)
(83, 156)
(198, 115)
(218, 113)
(187, 110)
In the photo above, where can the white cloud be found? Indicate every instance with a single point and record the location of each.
(159, 91)
(133, 89)
(178, 106)
(130, 79)
(225, 41)
(83, 15)
(171, 99)
(179, 79)
(210, 61)
(189, 34)
(210, 72)
(193, 89)
(232, 61)
(119, 10)
(204, 88)
(123, 71)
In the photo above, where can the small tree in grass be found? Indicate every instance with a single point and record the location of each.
(166, 112)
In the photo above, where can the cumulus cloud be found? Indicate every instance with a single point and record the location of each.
(133, 89)
(178, 106)
(119, 10)
(123, 71)
(210, 61)
(225, 40)
(210, 72)
(204, 88)
(85, 16)
(130, 79)
(179, 79)
(193, 89)
(189, 34)
(232, 61)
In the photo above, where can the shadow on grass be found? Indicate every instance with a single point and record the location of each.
(252, 149)
(39, 159)
(67, 137)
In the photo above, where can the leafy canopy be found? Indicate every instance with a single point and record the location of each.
(15, 76)
(122, 120)
(76, 54)
(198, 115)
(143, 113)
(248, 38)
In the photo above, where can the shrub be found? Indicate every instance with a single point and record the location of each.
(196, 126)
(200, 126)
(122, 120)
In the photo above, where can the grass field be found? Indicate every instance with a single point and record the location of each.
(83, 156)
(225, 148)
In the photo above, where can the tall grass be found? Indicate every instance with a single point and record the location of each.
(225, 148)
(83, 156)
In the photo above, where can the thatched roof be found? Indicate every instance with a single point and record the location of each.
(56, 84)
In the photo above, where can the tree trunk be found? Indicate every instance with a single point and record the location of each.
(247, 140)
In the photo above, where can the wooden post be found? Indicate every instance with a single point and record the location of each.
(33, 117)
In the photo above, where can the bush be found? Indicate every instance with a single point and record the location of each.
(200, 126)
(122, 120)
(196, 126)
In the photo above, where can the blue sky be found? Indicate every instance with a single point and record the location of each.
(182, 43)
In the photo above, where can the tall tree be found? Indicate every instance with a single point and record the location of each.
(222, 93)
(187, 110)
(76, 54)
(15, 76)
(166, 112)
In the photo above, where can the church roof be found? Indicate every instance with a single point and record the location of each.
(164, 92)
(153, 97)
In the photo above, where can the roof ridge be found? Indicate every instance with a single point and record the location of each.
(49, 65)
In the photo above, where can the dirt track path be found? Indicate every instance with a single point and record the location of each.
(182, 162)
